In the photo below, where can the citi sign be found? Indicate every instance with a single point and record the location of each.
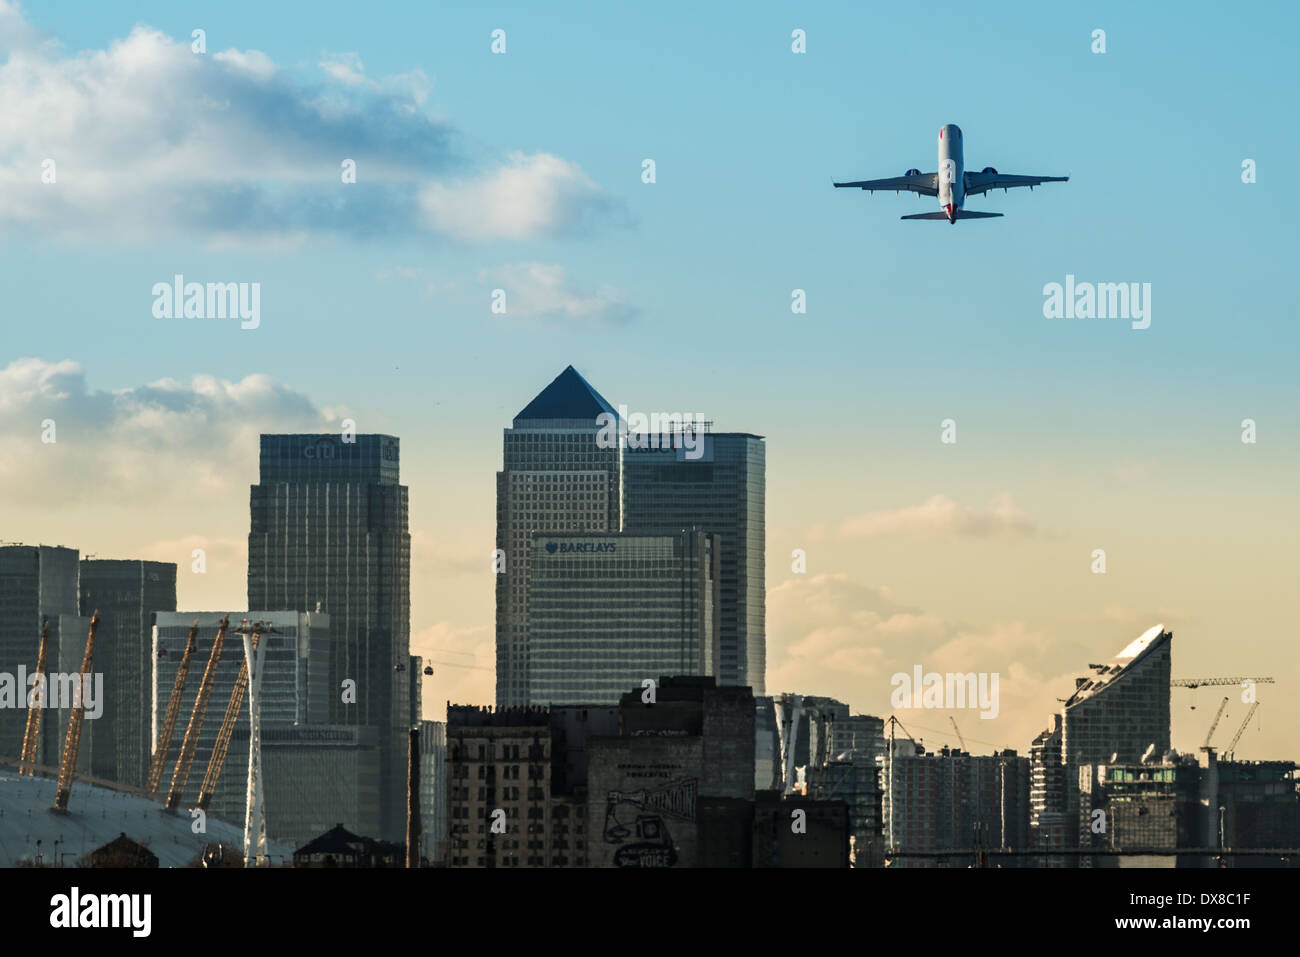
(566, 547)
(323, 449)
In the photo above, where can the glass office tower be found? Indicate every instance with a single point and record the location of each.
(126, 593)
(555, 479)
(720, 491)
(36, 581)
(329, 533)
(606, 612)
(1119, 712)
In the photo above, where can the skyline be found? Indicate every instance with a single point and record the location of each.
(1072, 434)
(826, 688)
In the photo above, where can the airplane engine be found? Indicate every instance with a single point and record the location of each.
(989, 169)
(913, 172)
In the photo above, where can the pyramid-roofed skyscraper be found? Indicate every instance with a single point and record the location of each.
(568, 397)
(555, 477)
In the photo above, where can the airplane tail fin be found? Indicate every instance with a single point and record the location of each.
(961, 214)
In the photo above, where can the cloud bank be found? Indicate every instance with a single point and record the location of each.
(941, 517)
(147, 140)
(165, 442)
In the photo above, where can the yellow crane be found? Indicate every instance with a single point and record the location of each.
(1214, 726)
(958, 730)
(72, 743)
(1194, 683)
(32, 736)
(169, 720)
(1198, 682)
(222, 745)
(181, 776)
(1231, 749)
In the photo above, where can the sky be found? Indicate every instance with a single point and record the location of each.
(522, 171)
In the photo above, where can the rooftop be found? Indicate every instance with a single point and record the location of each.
(569, 396)
(1132, 653)
(97, 816)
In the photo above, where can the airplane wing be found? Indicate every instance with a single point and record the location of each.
(926, 184)
(977, 183)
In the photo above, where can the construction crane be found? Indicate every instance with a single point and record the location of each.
(1198, 682)
(173, 709)
(1215, 724)
(890, 844)
(181, 776)
(958, 730)
(1232, 745)
(72, 743)
(1195, 683)
(36, 707)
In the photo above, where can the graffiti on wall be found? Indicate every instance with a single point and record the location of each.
(637, 822)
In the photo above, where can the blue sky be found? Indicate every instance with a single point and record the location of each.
(747, 137)
(690, 278)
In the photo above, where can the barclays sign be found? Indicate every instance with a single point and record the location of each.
(583, 547)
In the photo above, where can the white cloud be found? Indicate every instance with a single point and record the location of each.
(548, 293)
(526, 197)
(167, 441)
(345, 67)
(15, 32)
(940, 516)
(831, 635)
(151, 140)
(253, 62)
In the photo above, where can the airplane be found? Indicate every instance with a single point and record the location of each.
(951, 184)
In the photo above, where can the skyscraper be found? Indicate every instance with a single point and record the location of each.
(721, 490)
(126, 593)
(1119, 712)
(329, 533)
(954, 801)
(433, 790)
(1050, 825)
(36, 581)
(608, 611)
(555, 478)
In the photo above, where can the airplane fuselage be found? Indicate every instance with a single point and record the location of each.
(952, 179)
(951, 184)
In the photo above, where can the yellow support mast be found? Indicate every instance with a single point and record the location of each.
(169, 720)
(222, 746)
(181, 775)
(32, 736)
(72, 743)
